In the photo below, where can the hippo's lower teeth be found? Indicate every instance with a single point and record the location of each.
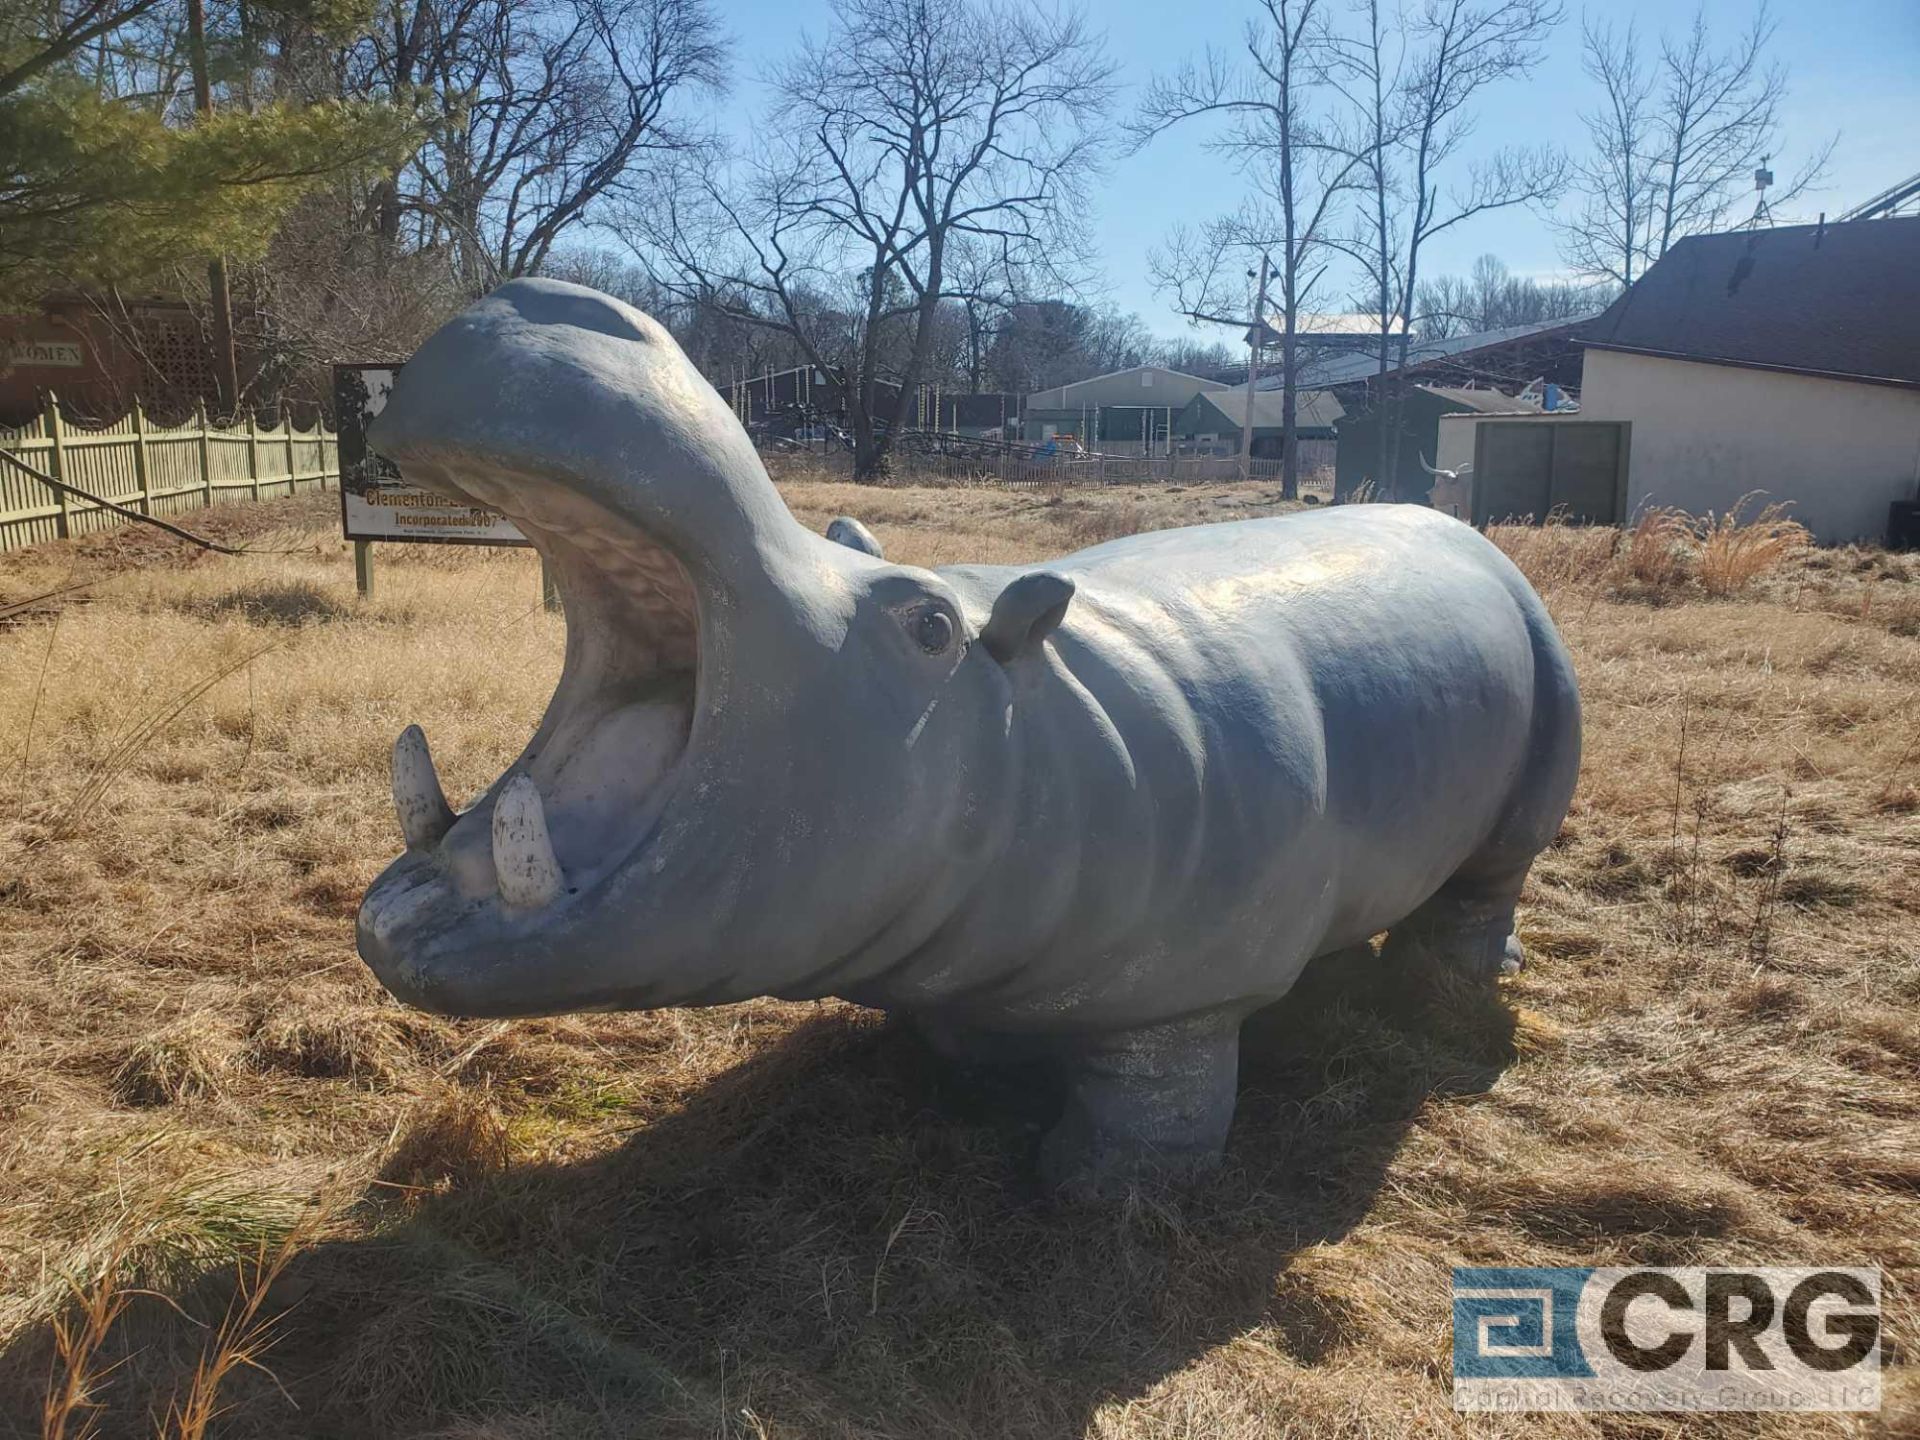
(425, 816)
(522, 850)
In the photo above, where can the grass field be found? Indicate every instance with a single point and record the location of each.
(243, 1193)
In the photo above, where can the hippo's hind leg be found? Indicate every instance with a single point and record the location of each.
(1464, 929)
(1160, 1096)
(1468, 924)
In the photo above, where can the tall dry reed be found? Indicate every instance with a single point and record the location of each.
(1664, 556)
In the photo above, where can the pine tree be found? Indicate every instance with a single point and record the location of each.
(107, 177)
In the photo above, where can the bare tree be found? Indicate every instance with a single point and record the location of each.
(550, 108)
(1675, 143)
(1459, 47)
(1206, 358)
(1042, 343)
(1299, 172)
(1718, 120)
(981, 302)
(912, 127)
(324, 291)
(1611, 234)
(1039, 344)
(1491, 298)
(1371, 80)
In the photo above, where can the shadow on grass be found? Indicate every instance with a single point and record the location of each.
(842, 1236)
(289, 603)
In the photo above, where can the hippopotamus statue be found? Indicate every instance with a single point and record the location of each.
(1100, 809)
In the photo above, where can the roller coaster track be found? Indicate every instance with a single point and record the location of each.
(1891, 201)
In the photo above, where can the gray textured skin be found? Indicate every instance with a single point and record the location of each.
(1127, 803)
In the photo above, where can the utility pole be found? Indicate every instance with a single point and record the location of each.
(226, 368)
(1255, 334)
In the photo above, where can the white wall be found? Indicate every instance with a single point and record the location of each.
(1704, 435)
(1457, 436)
(1453, 450)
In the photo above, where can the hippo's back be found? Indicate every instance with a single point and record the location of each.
(1306, 550)
(1299, 728)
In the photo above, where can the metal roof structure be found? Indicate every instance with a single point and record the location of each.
(1486, 402)
(1355, 367)
(1346, 331)
(1350, 322)
(1112, 389)
(1432, 401)
(1313, 409)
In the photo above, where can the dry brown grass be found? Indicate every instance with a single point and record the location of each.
(785, 1220)
(182, 1062)
(457, 1139)
(246, 1332)
(1659, 545)
(1665, 557)
(956, 524)
(80, 1330)
(1736, 550)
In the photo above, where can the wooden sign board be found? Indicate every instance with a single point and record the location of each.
(375, 503)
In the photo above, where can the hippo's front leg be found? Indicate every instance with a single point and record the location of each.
(1160, 1096)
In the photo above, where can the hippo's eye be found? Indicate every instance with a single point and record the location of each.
(932, 628)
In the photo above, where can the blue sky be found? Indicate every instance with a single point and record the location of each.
(1854, 68)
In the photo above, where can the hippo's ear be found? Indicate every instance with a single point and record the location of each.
(847, 531)
(1025, 613)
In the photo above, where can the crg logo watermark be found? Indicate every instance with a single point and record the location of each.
(1768, 1338)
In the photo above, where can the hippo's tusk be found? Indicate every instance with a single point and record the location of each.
(523, 855)
(425, 816)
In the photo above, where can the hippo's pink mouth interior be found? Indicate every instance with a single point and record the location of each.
(620, 719)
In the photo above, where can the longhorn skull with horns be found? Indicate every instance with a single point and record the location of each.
(1444, 474)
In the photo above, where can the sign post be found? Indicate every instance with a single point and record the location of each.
(376, 504)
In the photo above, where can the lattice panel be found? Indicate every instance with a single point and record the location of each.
(179, 363)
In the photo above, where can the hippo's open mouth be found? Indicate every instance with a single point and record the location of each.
(592, 783)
